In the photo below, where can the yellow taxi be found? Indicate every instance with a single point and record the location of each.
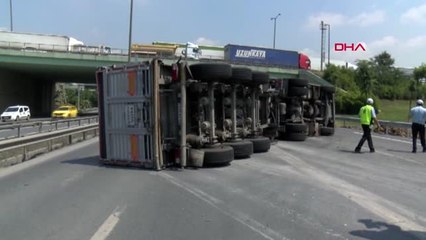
(65, 111)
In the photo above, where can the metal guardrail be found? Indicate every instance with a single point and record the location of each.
(53, 125)
(387, 127)
(15, 151)
(383, 123)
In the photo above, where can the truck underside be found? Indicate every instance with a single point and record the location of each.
(156, 115)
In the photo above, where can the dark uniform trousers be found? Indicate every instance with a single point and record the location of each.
(416, 129)
(366, 136)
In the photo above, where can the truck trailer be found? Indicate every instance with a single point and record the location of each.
(231, 53)
(156, 115)
(39, 42)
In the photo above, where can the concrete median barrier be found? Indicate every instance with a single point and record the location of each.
(23, 149)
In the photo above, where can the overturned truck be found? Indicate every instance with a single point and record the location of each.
(157, 115)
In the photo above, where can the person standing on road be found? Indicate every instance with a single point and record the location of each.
(418, 119)
(367, 115)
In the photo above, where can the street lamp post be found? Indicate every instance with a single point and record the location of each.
(130, 30)
(11, 19)
(275, 26)
(328, 38)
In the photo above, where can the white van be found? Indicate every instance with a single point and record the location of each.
(14, 113)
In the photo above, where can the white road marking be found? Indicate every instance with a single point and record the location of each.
(240, 217)
(392, 212)
(393, 155)
(109, 224)
(386, 138)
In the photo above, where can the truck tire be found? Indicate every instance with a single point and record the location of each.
(260, 144)
(295, 136)
(217, 155)
(328, 89)
(296, 127)
(297, 91)
(260, 78)
(242, 149)
(298, 82)
(209, 72)
(241, 75)
(326, 131)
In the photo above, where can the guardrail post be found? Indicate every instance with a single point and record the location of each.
(56, 125)
(69, 124)
(49, 145)
(19, 131)
(79, 122)
(24, 154)
(40, 127)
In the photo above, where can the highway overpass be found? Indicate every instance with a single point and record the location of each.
(28, 76)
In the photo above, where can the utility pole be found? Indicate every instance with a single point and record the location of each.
(322, 28)
(130, 30)
(11, 18)
(328, 38)
(275, 26)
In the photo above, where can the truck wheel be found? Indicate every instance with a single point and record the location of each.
(296, 127)
(260, 78)
(208, 72)
(241, 75)
(260, 144)
(326, 131)
(242, 149)
(298, 82)
(295, 136)
(217, 155)
(328, 89)
(297, 91)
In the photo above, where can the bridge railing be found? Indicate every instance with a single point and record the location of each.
(16, 130)
(82, 49)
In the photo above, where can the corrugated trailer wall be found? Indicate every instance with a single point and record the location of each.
(126, 115)
(261, 56)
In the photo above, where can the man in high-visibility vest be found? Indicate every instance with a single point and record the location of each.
(366, 115)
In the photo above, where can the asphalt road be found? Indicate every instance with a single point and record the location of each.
(317, 189)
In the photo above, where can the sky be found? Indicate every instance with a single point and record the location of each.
(395, 26)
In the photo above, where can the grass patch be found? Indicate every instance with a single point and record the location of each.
(396, 110)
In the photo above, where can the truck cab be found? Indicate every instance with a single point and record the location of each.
(194, 51)
(304, 61)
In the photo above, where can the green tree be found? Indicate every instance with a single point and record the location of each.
(420, 78)
(341, 77)
(364, 78)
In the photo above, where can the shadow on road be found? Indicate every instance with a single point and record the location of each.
(400, 151)
(94, 161)
(381, 230)
(352, 151)
(91, 161)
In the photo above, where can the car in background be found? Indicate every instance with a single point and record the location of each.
(65, 111)
(15, 113)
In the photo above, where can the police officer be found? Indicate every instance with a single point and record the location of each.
(418, 118)
(367, 114)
